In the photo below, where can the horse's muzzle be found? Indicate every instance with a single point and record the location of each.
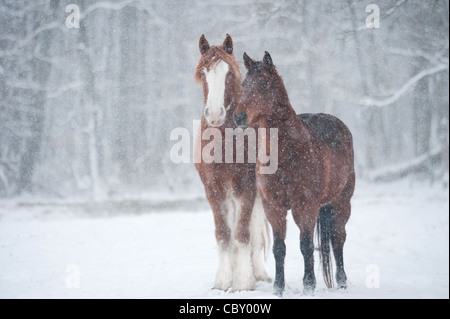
(241, 119)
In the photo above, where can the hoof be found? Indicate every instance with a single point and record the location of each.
(308, 291)
(221, 286)
(237, 289)
(342, 286)
(341, 279)
(243, 287)
(278, 292)
(243, 282)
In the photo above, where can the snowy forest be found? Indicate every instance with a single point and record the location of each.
(87, 112)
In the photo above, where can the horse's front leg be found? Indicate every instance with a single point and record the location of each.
(276, 215)
(243, 277)
(224, 274)
(305, 218)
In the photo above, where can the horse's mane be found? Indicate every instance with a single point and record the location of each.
(213, 56)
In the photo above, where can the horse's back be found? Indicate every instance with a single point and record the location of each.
(330, 129)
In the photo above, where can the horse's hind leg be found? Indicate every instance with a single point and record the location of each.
(306, 218)
(341, 213)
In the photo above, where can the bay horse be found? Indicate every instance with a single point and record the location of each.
(315, 177)
(241, 228)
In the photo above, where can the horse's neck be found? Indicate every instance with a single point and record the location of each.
(291, 128)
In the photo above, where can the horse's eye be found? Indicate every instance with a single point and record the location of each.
(202, 74)
(264, 85)
(229, 74)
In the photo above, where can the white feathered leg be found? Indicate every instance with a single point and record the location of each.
(260, 240)
(224, 275)
(243, 278)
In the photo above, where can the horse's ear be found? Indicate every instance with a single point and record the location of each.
(248, 62)
(203, 44)
(268, 59)
(228, 44)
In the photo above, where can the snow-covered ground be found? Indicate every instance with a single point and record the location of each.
(397, 247)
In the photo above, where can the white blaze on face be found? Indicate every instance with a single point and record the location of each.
(215, 112)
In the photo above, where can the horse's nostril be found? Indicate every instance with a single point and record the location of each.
(240, 119)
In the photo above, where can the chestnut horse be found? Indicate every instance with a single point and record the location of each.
(241, 228)
(315, 177)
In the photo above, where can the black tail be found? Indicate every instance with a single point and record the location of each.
(324, 232)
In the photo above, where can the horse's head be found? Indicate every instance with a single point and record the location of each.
(219, 73)
(264, 94)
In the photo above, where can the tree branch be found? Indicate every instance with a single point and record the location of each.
(24, 42)
(401, 170)
(418, 53)
(411, 83)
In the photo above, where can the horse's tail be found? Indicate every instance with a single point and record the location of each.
(325, 225)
